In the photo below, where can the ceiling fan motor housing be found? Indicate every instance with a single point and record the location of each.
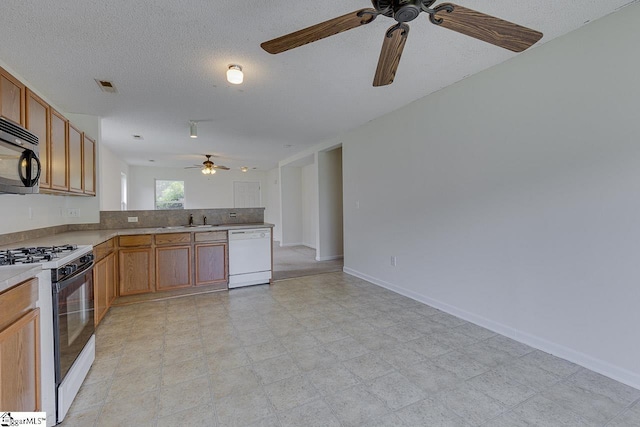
(400, 10)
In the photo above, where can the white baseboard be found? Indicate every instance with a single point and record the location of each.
(600, 366)
(285, 245)
(329, 258)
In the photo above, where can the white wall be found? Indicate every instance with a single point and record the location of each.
(48, 210)
(111, 170)
(201, 191)
(309, 184)
(513, 197)
(272, 205)
(330, 229)
(291, 205)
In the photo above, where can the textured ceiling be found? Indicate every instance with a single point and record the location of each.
(168, 60)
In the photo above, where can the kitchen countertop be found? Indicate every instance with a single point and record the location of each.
(95, 237)
(15, 274)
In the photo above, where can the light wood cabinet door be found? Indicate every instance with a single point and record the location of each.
(100, 284)
(89, 166)
(135, 266)
(59, 149)
(11, 98)
(173, 267)
(112, 278)
(20, 364)
(211, 264)
(75, 159)
(37, 121)
(104, 286)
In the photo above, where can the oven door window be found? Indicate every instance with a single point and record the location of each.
(74, 320)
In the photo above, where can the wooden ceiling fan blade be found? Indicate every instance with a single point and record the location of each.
(392, 47)
(484, 27)
(320, 31)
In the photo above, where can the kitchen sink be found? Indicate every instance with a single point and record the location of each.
(178, 227)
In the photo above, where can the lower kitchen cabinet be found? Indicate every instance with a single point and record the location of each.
(104, 283)
(211, 264)
(173, 267)
(112, 278)
(136, 268)
(20, 348)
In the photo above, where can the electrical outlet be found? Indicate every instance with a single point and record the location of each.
(232, 214)
(394, 261)
(132, 218)
(30, 213)
(73, 212)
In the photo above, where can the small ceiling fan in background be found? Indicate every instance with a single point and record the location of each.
(208, 167)
(457, 18)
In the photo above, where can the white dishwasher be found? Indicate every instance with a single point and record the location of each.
(249, 257)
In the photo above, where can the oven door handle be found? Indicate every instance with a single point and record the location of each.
(59, 286)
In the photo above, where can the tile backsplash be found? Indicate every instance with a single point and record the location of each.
(170, 218)
(110, 220)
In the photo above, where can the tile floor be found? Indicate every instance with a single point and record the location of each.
(299, 261)
(329, 350)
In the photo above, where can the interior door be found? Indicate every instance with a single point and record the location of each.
(246, 194)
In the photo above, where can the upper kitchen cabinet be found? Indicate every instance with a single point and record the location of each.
(75, 159)
(59, 151)
(89, 166)
(67, 155)
(11, 98)
(37, 121)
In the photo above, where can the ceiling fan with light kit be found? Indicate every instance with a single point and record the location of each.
(208, 167)
(457, 18)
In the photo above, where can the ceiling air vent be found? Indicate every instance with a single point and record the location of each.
(106, 86)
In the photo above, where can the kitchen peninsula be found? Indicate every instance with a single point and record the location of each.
(160, 251)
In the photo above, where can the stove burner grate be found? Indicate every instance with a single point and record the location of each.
(33, 255)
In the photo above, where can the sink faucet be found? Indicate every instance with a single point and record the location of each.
(204, 219)
(190, 219)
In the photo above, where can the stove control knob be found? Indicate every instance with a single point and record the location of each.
(85, 259)
(71, 268)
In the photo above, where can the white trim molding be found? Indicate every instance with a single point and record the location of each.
(612, 371)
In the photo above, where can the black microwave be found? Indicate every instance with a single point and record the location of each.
(19, 164)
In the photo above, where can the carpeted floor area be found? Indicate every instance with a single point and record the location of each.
(299, 261)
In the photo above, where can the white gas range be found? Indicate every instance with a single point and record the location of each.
(67, 342)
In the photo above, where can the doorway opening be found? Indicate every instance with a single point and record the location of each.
(311, 216)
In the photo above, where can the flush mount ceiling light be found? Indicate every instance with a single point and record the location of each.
(193, 129)
(235, 75)
(244, 168)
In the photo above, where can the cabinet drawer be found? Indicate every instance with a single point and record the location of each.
(17, 301)
(211, 236)
(103, 249)
(171, 238)
(136, 240)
